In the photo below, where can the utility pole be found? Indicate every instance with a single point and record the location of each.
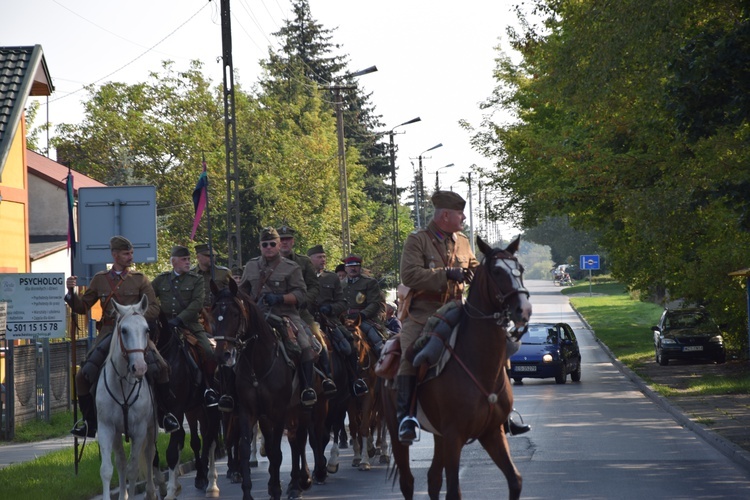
(234, 235)
(471, 220)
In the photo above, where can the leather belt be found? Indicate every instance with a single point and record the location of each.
(432, 297)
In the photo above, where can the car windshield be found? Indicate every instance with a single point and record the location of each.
(540, 334)
(697, 320)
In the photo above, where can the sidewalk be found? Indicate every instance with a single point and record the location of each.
(25, 452)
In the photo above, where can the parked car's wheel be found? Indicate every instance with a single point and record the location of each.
(561, 376)
(721, 358)
(575, 375)
(518, 380)
(660, 358)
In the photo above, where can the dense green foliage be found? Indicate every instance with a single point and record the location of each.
(630, 118)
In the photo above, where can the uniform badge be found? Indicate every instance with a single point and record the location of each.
(432, 262)
(360, 298)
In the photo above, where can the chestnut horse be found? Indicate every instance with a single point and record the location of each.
(474, 379)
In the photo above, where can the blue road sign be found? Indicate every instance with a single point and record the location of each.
(590, 262)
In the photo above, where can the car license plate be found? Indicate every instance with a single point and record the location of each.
(692, 348)
(524, 368)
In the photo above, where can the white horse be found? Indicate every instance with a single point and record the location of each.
(124, 403)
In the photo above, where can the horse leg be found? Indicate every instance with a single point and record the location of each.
(176, 443)
(105, 438)
(201, 467)
(254, 447)
(319, 438)
(400, 452)
(496, 444)
(159, 481)
(212, 490)
(451, 460)
(275, 432)
(357, 450)
(150, 451)
(435, 473)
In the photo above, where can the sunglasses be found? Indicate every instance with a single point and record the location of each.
(267, 244)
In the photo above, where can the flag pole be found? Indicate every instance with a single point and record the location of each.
(70, 195)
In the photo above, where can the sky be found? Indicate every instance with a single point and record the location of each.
(435, 58)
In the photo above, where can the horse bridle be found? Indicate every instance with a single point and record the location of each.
(236, 341)
(515, 274)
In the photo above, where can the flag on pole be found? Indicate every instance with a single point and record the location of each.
(71, 220)
(200, 198)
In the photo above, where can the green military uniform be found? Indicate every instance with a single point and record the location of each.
(222, 275)
(182, 297)
(427, 253)
(330, 293)
(363, 296)
(311, 283)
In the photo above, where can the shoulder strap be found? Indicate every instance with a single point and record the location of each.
(264, 278)
(112, 293)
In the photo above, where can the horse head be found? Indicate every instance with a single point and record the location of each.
(502, 284)
(131, 336)
(229, 320)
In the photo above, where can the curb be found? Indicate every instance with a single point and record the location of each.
(727, 448)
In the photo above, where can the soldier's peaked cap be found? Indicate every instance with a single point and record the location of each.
(180, 251)
(315, 250)
(448, 199)
(353, 260)
(117, 243)
(203, 248)
(286, 231)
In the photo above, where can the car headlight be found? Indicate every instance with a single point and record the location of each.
(547, 358)
(668, 341)
(718, 339)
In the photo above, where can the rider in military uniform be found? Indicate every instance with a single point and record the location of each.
(286, 236)
(276, 284)
(435, 264)
(208, 269)
(330, 303)
(126, 287)
(181, 296)
(364, 299)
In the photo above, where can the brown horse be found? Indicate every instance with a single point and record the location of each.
(264, 378)
(474, 379)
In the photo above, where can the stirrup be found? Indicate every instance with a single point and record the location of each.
(329, 387)
(360, 387)
(405, 430)
(170, 423)
(211, 398)
(226, 403)
(308, 397)
(513, 428)
(81, 429)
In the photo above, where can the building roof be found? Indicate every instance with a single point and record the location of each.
(56, 173)
(23, 73)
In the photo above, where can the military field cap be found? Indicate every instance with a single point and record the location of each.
(120, 243)
(286, 231)
(268, 233)
(203, 248)
(180, 251)
(448, 199)
(315, 250)
(353, 260)
(340, 267)
(237, 271)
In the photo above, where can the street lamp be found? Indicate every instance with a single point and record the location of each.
(419, 192)
(437, 180)
(345, 234)
(394, 193)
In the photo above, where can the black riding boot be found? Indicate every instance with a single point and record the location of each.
(359, 386)
(226, 401)
(513, 428)
(407, 429)
(308, 396)
(86, 427)
(329, 387)
(165, 401)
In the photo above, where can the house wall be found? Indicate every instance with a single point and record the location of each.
(45, 216)
(14, 214)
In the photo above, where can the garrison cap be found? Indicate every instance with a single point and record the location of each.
(268, 233)
(286, 231)
(117, 243)
(448, 199)
(353, 260)
(315, 250)
(237, 271)
(180, 251)
(203, 248)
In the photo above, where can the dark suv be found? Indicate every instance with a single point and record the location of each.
(688, 334)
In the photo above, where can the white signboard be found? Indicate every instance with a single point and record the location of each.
(35, 306)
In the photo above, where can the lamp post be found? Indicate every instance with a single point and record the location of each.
(419, 195)
(345, 234)
(437, 179)
(394, 193)
(467, 180)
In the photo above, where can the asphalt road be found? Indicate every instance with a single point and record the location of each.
(600, 438)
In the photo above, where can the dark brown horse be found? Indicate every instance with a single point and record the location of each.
(474, 380)
(264, 379)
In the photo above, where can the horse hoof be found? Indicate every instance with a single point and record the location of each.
(364, 466)
(356, 462)
(384, 459)
(253, 463)
(343, 445)
(371, 452)
(236, 478)
(332, 468)
(201, 484)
